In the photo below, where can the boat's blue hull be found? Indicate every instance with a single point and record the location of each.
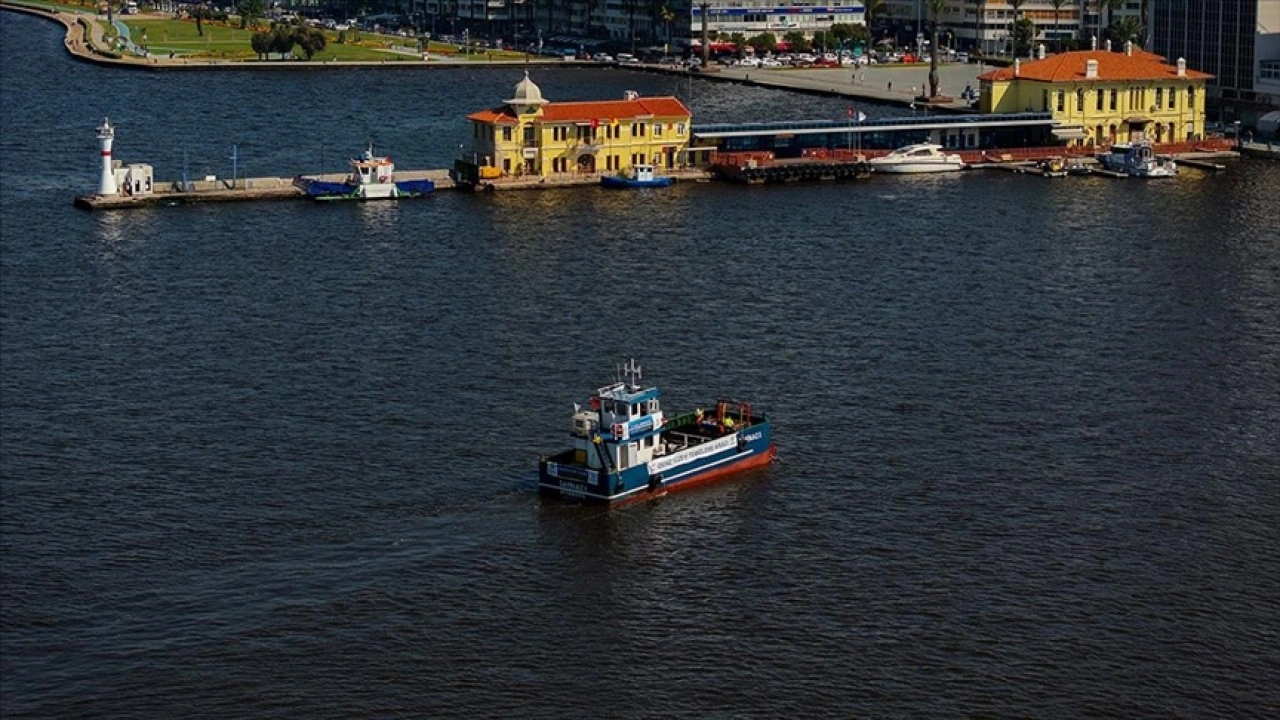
(330, 190)
(714, 458)
(622, 183)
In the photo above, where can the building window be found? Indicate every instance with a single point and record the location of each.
(657, 129)
(506, 134)
(1062, 100)
(637, 129)
(1098, 104)
(1191, 98)
(1114, 94)
(506, 165)
(680, 129)
(1079, 100)
(1159, 97)
(530, 134)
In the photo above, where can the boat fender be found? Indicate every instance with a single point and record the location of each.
(655, 482)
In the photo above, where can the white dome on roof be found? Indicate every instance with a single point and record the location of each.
(527, 93)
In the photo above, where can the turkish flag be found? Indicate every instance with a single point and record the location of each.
(595, 123)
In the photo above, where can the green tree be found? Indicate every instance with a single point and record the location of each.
(1024, 34)
(310, 40)
(1126, 29)
(668, 16)
(764, 42)
(797, 41)
(261, 44)
(1108, 6)
(250, 11)
(739, 44)
(1013, 35)
(282, 40)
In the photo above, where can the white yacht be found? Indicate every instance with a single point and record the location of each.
(921, 158)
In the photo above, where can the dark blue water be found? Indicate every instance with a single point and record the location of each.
(276, 460)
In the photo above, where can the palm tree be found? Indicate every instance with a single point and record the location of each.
(1107, 5)
(872, 10)
(631, 6)
(1017, 14)
(935, 8)
(977, 21)
(1057, 33)
(1127, 29)
(703, 5)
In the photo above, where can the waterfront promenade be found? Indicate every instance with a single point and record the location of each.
(899, 84)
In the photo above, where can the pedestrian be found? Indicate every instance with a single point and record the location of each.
(854, 79)
(890, 86)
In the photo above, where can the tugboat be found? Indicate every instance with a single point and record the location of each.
(372, 178)
(625, 448)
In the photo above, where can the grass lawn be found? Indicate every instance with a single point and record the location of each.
(227, 41)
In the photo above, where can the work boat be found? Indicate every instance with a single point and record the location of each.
(921, 158)
(372, 178)
(625, 448)
(1139, 159)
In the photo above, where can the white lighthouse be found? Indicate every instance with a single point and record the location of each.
(107, 182)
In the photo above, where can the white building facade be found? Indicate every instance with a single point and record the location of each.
(754, 17)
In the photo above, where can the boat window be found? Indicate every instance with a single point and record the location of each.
(635, 409)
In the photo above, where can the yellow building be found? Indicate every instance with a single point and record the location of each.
(1098, 97)
(528, 136)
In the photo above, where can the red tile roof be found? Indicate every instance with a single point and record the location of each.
(501, 115)
(1112, 66)
(663, 107)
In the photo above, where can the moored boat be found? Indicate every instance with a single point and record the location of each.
(372, 178)
(640, 176)
(625, 448)
(1053, 167)
(919, 158)
(1138, 159)
(1077, 166)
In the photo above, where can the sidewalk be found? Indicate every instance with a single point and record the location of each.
(897, 83)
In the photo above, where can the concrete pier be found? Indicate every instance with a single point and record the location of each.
(224, 190)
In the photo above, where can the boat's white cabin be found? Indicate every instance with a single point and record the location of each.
(643, 172)
(623, 426)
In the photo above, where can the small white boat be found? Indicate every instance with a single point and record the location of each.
(921, 158)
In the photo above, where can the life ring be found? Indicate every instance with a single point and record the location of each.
(617, 430)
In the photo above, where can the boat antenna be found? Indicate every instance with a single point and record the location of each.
(632, 371)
